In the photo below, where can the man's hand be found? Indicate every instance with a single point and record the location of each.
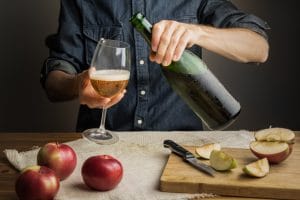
(88, 96)
(169, 39)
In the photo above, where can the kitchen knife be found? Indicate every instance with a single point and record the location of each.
(188, 157)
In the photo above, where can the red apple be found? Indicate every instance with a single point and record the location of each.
(276, 144)
(275, 152)
(102, 172)
(59, 157)
(37, 182)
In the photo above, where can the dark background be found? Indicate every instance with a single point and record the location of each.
(269, 93)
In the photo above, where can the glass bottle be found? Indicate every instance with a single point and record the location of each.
(191, 79)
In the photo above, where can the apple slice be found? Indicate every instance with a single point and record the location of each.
(275, 152)
(221, 161)
(275, 134)
(205, 150)
(259, 168)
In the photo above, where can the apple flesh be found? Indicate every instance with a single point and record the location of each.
(222, 161)
(59, 157)
(205, 150)
(275, 152)
(258, 169)
(102, 172)
(276, 144)
(37, 182)
(275, 134)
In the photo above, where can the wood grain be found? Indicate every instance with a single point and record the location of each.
(283, 181)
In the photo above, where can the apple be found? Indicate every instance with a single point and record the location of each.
(102, 172)
(222, 161)
(205, 150)
(37, 182)
(59, 157)
(258, 168)
(275, 152)
(276, 144)
(275, 134)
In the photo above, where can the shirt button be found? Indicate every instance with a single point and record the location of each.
(139, 121)
(143, 92)
(142, 62)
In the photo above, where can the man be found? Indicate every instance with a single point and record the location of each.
(150, 103)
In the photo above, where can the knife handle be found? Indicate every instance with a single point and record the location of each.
(177, 149)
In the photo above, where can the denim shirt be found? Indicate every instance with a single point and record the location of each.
(150, 103)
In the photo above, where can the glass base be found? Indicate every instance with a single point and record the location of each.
(100, 136)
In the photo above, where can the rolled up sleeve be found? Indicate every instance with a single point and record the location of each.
(223, 14)
(66, 46)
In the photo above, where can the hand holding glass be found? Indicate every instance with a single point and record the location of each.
(110, 76)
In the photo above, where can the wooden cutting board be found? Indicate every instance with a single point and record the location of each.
(283, 181)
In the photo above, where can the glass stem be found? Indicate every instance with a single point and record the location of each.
(102, 124)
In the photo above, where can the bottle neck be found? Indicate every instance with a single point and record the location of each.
(142, 25)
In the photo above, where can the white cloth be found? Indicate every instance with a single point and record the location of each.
(143, 157)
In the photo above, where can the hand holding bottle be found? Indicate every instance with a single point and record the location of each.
(170, 39)
(189, 76)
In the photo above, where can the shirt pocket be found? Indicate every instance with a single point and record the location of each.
(93, 34)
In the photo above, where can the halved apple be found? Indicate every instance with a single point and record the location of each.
(259, 168)
(221, 161)
(275, 134)
(205, 150)
(275, 152)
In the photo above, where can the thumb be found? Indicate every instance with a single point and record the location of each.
(91, 70)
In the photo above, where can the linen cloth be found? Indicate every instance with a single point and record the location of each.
(143, 158)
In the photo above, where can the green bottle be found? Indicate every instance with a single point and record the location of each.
(195, 84)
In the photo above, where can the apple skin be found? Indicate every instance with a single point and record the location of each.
(102, 172)
(37, 183)
(274, 158)
(59, 157)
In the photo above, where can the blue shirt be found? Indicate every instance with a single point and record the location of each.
(150, 103)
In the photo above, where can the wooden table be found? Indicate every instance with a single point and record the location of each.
(23, 142)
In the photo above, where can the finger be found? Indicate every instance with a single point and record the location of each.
(96, 102)
(92, 70)
(91, 98)
(152, 56)
(182, 44)
(172, 46)
(164, 42)
(157, 30)
(114, 100)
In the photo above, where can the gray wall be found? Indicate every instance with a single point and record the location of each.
(269, 93)
(23, 104)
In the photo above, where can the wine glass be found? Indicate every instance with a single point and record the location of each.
(110, 76)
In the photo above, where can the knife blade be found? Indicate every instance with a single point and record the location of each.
(188, 157)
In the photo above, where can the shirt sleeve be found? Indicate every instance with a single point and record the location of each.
(66, 46)
(223, 14)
